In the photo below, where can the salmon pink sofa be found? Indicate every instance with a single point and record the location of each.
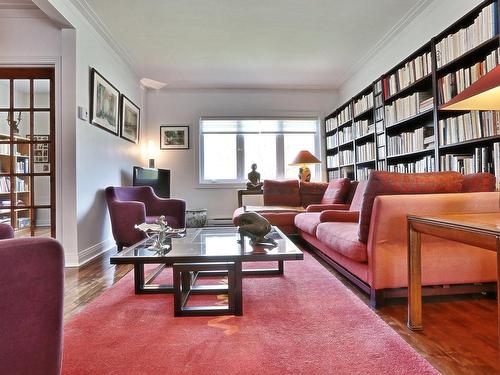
(368, 242)
(285, 199)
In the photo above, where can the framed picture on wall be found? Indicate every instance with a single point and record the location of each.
(129, 120)
(104, 103)
(174, 137)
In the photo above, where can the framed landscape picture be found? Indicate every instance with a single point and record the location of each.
(174, 137)
(104, 103)
(129, 120)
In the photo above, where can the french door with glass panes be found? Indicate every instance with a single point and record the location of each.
(27, 150)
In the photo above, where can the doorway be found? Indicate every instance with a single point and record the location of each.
(27, 150)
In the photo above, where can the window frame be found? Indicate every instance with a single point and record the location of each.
(240, 151)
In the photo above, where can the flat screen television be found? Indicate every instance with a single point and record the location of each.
(158, 179)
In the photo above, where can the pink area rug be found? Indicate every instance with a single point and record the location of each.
(306, 322)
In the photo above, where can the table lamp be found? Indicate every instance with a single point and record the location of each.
(482, 95)
(302, 159)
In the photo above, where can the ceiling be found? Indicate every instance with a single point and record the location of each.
(247, 44)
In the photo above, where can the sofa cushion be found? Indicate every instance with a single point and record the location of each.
(343, 238)
(337, 191)
(352, 191)
(281, 193)
(390, 183)
(311, 192)
(307, 222)
(478, 182)
(338, 216)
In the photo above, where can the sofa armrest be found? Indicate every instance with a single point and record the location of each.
(339, 216)
(324, 207)
(387, 240)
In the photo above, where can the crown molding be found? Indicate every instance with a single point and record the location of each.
(414, 11)
(91, 16)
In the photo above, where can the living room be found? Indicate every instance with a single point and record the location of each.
(363, 241)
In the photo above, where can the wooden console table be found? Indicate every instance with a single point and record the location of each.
(476, 229)
(243, 192)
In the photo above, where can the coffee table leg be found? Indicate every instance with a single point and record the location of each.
(414, 280)
(238, 290)
(139, 278)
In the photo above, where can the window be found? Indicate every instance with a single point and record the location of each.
(228, 147)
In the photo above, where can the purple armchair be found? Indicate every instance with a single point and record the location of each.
(138, 204)
(31, 304)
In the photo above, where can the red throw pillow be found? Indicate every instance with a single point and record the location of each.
(390, 183)
(337, 191)
(312, 192)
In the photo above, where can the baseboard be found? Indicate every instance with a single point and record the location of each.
(94, 251)
(220, 222)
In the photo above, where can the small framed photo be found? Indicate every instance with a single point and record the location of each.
(174, 137)
(130, 120)
(104, 103)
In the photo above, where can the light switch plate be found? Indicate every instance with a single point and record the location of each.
(83, 113)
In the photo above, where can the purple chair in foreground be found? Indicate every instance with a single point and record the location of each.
(31, 304)
(132, 205)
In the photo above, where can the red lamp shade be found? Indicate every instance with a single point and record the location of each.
(305, 157)
(482, 95)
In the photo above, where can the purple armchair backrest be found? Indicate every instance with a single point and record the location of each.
(31, 306)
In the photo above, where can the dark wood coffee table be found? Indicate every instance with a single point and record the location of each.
(207, 245)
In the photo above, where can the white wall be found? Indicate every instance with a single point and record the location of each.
(102, 159)
(88, 158)
(434, 19)
(185, 107)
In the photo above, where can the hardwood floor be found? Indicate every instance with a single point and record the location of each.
(459, 337)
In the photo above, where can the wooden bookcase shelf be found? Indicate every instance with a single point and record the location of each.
(417, 73)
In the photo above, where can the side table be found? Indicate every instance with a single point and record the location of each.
(243, 192)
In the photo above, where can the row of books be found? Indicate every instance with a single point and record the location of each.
(364, 127)
(496, 162)
(411, 141)
(343, 116)
(363, 104)
(426, 164)
(332, 161)
(379, 114)
(471, 125)
(365, 152)
(381, 152)
(481, 159)
(378, 87)
(331, 142)
(454, 45)
(4, 149)
(363, 173)
(454, 83)
(346, 157)
(345, 135)
(379, 100)
(22, 166)
(332, 175)
(408, 106)
(411, 72)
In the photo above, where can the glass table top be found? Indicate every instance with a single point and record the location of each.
(211, 243)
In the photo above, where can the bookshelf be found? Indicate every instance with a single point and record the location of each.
(396, 121)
